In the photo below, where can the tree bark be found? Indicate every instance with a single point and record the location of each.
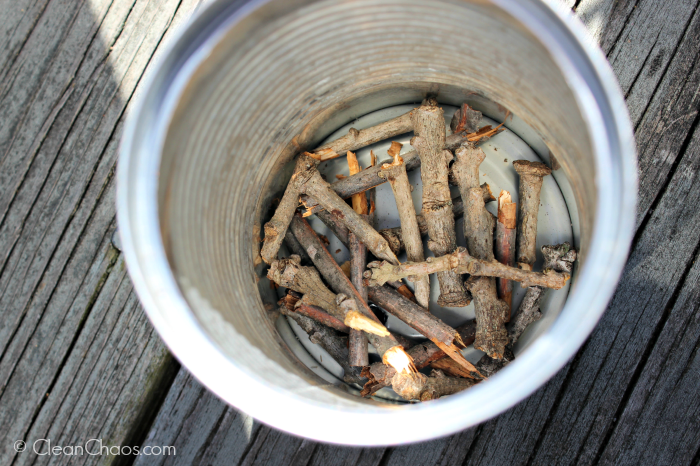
(531, 174)
(395, 238)
(420, 387)
(379, 375)
(505, 243)
(461, 262)
(372, 177)
(358, 348)
(320, 190)
(559, 258)
(335, 277)
(276, 228)
(429, 127)
(357, 139)
(398, 179)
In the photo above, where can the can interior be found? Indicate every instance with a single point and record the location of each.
(288, 77)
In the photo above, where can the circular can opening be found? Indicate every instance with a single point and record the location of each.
(247, 85)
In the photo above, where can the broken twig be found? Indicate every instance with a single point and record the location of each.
(531, 174)
(461, 262)
(398, 178)
(429, 127)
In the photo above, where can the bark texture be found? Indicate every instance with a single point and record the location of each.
(505, 243)
(276, 228)
(372, 177)
(357, 139)
(306, 280)
(420, 387)
(531, 174)
(429, 141)
(465, 120)
(322, 317)
(398, 178)
(394, 236)
(335, 277)
(318, 188)
(461, 262)
(559, 258)
(380, 375)
(358, 348)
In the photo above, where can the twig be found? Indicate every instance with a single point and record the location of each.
(505, 243)
(276, 228)
(398, 179)
(337, 280)
(560, 258)
(358, 261)
(294, 247)
(420, 387)
(427, 324)
(341, 232)
(461, 262)
(429, 127)
(531, 174)
(326, 338)
(318, 188)
(289, 273)
(395, 238)
(379, 375)
(322, 317)
(372, 177)
(357, 139)
(465, 119)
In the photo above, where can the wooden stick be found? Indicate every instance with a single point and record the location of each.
(429, 127)
(531, 174)
(334, 344)
(465, 119)
(289, 273)
(359, 355)
(461, 262)
(559, 258)
(427, 324)
(398, 179)
(320, 190)
(372, 177)
(317, 314)
(505, 243)
(395, 238)
(294, 247)
(276, 228)
(379, 375)
(337, 280)
(420, 387)
(357, 139)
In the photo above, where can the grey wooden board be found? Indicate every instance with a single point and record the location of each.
(79, 360)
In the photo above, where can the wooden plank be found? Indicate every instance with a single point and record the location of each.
(62, 372)
(202, 428)
(334, 455)
(660, 423)
(605, 366)
(443, 451)
(576, 407)
(664, 129)
(17, 20)
(595, 14)
(646, 46)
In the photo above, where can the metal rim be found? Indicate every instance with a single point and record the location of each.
(603, 106)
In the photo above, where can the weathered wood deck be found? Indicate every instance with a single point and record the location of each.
(79, 359)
